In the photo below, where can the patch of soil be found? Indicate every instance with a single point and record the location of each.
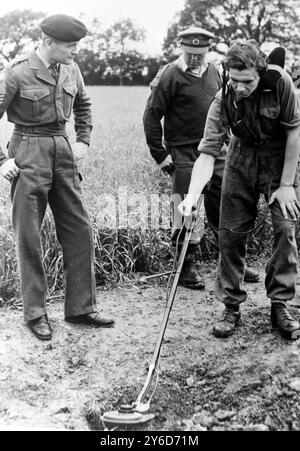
(247, 382)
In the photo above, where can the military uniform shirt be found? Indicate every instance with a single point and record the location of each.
(32, 98)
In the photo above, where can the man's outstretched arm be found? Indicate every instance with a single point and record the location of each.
(215, 134)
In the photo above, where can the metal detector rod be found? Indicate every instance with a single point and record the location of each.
(189, 224)
(154, 276)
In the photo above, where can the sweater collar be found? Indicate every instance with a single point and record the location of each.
(180, 62)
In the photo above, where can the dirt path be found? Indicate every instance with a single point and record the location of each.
(250, 381)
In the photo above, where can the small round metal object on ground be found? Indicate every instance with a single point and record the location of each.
(117, 417)
(125, 417)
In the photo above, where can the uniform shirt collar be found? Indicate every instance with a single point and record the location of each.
(38, 52)
(180, 62)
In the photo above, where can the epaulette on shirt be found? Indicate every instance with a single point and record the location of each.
(8, 69)
(17, 61)
(155, 81)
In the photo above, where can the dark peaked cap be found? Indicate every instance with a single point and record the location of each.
(64, 28)
(195, 37)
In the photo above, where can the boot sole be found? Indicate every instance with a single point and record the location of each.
(90, 324)
(41, 337)
(192, 287)
(254, 280)
(222, 335)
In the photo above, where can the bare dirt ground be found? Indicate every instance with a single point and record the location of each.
(250, 381)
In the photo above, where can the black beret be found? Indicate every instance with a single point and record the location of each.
(64, 28)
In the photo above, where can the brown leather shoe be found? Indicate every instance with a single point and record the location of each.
(40, 327)
(251, 276)
(91, 319)
(282, 320)
(190, 276)
(227, 324)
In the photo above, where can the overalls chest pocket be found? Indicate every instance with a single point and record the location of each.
(69, 93)
(35, 101)
(269, 111)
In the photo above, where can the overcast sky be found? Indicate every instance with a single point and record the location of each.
(153, 15)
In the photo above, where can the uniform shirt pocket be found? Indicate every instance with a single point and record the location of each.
(270, 117)
(69, 93)
(270, 112)
(35, 101)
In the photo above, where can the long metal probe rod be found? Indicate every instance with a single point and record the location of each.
(189, 223)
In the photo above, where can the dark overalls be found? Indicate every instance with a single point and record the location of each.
(39, 107)
(254, 166)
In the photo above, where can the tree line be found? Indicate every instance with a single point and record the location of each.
(108, 54)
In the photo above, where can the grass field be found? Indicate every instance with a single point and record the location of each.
(118, 169)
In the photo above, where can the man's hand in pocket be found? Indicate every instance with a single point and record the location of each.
(9, 170)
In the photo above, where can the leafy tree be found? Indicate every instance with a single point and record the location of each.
(92, 67)
(126, 67)
(119, 37)
(91, 57)
(97, 39)
(18, 30)
(107, 56)
(151, 67)
(263, 20)
(122, 33)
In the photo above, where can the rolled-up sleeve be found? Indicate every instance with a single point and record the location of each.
(215, 132)
(289, 102)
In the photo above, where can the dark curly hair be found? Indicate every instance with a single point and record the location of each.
(245, 55)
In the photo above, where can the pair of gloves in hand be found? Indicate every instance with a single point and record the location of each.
(167, 165)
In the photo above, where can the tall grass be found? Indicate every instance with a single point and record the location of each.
(8, 270)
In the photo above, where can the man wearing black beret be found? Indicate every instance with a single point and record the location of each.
(39, 92)
(64, 28)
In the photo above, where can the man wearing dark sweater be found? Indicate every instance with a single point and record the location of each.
(181, 93)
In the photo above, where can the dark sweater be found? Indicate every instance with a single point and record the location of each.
(183, 101)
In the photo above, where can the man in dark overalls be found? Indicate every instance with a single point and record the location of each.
(181, 94)
(259, 105)
(39, 93)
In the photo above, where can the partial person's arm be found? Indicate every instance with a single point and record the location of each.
(201, 175)
(8, 87)
(156, 107)
(290, 120)
(215, 135)
(285, 194)
(83, 119)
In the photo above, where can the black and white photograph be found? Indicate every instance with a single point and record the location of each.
(150, 218)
